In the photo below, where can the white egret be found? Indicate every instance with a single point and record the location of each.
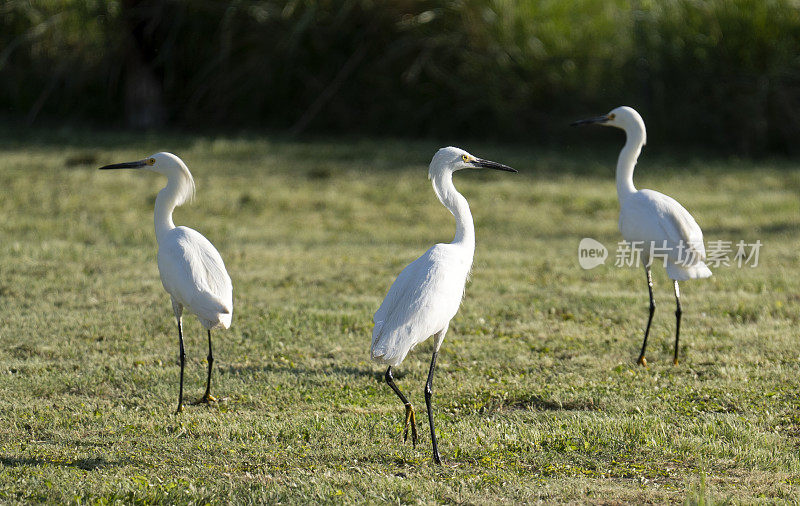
(192, 270)
(427, 293)
(653, 221)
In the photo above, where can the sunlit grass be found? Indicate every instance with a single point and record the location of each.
(536, 395)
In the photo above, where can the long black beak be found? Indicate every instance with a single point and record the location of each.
(589, 121)
(487, 164)
(126, 165)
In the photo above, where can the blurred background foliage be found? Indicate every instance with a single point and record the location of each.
(721, 72)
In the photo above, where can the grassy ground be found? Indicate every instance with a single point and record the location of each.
(537, 396)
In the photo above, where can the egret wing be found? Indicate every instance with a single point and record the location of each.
(420, 303)
(651, 216)
(193, 272)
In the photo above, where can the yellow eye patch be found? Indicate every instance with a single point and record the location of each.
(465, 158)
(151, 161)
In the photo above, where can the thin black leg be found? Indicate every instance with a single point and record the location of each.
(678, 313)
(428, 394)
(182, 357)
(642, 360)
(411, 418)
(207, 396)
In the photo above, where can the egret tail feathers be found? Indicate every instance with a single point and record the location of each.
(685, 272)
(389, 349)
(212, 310)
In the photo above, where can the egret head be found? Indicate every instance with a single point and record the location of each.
(167, 164)
(451, 159)
(625, 118)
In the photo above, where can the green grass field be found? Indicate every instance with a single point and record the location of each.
(537, 396)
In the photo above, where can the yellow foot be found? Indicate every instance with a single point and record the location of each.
(642, 361)
(675, 361)
(411, 419)
(179, 410)
(206, 399)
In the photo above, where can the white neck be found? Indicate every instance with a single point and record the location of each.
(166, 201)
(458, 206)
(627, 161)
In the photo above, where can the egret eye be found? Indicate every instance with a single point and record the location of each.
(151, 161)
(612, 116)
(465, 158)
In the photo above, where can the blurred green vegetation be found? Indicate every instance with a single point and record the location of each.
(721, 72)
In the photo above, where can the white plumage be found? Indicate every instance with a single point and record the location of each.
(653, 221)
(193, 273)
(192, 270)
(651, 217)
(426, 295)
(421, 302)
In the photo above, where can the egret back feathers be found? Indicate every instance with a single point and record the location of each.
(193, 273)
(420, 303)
